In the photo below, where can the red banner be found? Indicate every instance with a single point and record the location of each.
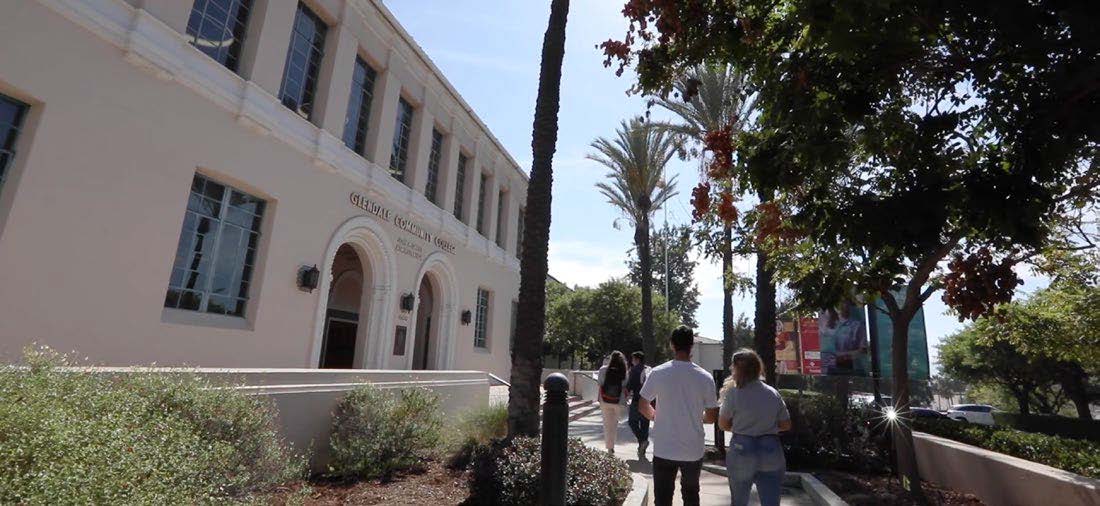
(811, 346)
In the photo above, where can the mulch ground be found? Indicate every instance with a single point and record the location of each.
(435, 485)
(873, 490)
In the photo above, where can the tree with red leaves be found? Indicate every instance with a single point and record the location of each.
(898, 135)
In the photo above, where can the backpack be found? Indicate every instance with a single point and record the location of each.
(611, 391)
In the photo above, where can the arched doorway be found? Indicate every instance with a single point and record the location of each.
(341, 346)
(426, 344)
(366, 238)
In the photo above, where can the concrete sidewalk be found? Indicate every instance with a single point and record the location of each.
(714, 489)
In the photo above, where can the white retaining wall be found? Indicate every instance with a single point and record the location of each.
(1000, 479)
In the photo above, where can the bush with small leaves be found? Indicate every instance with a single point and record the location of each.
(507, 473)
(78, 436)
(376, 433)
(1073, 455)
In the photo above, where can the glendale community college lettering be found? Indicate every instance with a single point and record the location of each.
(401, 222)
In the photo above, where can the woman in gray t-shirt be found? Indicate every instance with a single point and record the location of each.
(755, 414)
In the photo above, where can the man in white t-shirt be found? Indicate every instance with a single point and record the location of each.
(686, 400)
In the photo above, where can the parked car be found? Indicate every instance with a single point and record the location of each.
(926, 413)
(972, 413)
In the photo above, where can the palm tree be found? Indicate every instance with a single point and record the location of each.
(720, 98)
(636, 185)
(524, 394)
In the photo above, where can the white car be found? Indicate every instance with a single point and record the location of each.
(973, 413)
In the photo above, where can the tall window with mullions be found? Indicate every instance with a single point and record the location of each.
(482, 187)
(460, 184)
(216, 255)
(217, 28)
(12, 114)
(399, 157)
(432, 185)
(362, 92)
(303, 62)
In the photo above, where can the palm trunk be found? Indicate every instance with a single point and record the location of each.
(764, 321)
(524, 394)
(727, 297)
(641, 241)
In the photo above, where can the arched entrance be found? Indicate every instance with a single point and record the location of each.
(426, 344)
(355, 291)
(435, 318)
(342, 341)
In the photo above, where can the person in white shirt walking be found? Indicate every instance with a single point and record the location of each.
(612, 378)
(686, 400)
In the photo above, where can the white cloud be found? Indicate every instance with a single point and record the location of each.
(585, 263)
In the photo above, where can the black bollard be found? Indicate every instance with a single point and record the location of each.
(555, 444)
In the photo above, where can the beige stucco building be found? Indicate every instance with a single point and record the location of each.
(171, 171)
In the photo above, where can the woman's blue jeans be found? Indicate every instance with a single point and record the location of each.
(756, 460)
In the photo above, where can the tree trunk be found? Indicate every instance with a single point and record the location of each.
(524, 394)
(1074, 381)
(1023, 402)
(727, 297)
(764, 319)
(902, 434)
(641, 241)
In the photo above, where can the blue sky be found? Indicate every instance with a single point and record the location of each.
(490, 52)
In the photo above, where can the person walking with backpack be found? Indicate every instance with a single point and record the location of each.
(639, 424)
(612, 378)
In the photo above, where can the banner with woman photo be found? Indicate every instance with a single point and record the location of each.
(845, 348)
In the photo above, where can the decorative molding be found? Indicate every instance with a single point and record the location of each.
(153, 46)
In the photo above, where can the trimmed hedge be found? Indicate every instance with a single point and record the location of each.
(1075, 428)
(376, 433)
(507, 474)
(826, 434)
(1073, 455)
(74, 436)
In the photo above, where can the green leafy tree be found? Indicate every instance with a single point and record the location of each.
(672, 247)
(712, 101)
(893, 135)
(526, 374)
(591, 322)
(968, 357)
(637, 187)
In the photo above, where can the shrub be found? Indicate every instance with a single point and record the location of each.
(507, 474)
(474, 428)
(77, 436)
(1073, 455)
(827, 434)
(1051, 425)
(376, 433)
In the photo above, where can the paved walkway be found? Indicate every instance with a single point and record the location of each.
(714, 489)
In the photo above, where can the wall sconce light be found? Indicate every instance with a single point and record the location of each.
(407, 302)
(466, 316)
(308, 277)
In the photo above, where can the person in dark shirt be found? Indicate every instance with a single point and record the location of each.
(639, 424)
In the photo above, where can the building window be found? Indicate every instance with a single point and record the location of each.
(482, 322)
(401, 133)
(362, 91)
(12, 113)
(460, 185)
(433, 165)
(217, 250)
(303, 62)
(217, 28)
(501, 195)
(481, 204)
(519, 232)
